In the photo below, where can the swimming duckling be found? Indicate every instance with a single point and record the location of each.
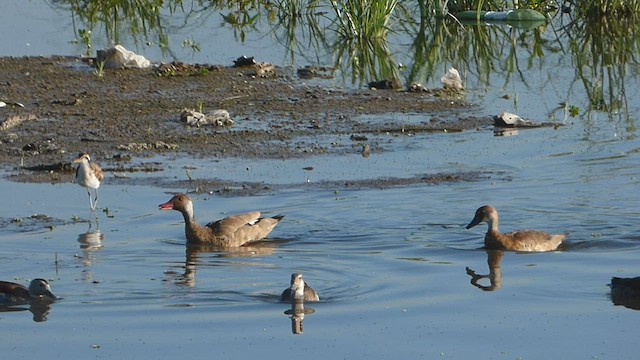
(299, 290)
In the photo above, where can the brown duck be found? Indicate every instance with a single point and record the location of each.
(522, 240)
(232, 231)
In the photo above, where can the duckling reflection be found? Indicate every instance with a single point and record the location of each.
(495, 273)
(626, 292)
(296, 314)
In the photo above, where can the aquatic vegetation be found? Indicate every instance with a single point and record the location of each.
(358, 38)
(363, 18)
(597, 8)
(99, 70)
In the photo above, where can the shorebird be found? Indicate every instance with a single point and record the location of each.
(89, 175)
(232, 231)
(299, 290)
(15, 294)
(522, 240)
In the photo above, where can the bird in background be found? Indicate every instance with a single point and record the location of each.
(89, 175)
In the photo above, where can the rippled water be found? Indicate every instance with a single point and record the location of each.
(389, 264)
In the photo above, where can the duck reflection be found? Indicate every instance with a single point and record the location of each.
(495, 273)
(39, 309)
(296, 314)
(626, 292)
(194, 252)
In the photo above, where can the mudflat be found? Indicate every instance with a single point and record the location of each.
(67, 106)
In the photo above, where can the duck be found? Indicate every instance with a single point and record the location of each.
(299, 290)
(89, 175)
(232, 231)
(522, 240)
(626, 292)
(13, 294)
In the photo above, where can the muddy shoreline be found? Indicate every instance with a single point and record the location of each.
(126, 116)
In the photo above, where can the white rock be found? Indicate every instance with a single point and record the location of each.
(451, 80)
(218, 117)
(118, 57)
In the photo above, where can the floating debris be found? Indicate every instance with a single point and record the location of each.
(451, 80)
(181, 69)
(415, 87)
(507, 119)
(158, 145)
(118, 57)
(265, 70)
(244, 61)
(311, 71)
(218, 117)
(355, 137)
(506, 124)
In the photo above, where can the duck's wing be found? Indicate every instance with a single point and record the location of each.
(286, 295)
(11, 290)
(231, 224)
(534, 240)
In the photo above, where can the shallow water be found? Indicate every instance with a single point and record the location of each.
(389, 264)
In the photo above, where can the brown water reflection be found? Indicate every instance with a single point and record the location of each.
(194, 252)
(495, 273)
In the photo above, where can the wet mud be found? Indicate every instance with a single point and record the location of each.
(61, 106)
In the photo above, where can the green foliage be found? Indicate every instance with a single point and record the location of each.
(99, 70)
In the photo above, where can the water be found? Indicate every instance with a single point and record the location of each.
(389, 264)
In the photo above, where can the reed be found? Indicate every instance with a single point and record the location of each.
(592, 8)
(363, 18)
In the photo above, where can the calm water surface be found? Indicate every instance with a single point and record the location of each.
(389, 264)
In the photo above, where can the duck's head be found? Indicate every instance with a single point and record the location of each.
(180, 202)
(486, 214)
(39, 288)
(297, 286)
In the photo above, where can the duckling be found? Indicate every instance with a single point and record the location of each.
(522, 240)
(299, 290)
